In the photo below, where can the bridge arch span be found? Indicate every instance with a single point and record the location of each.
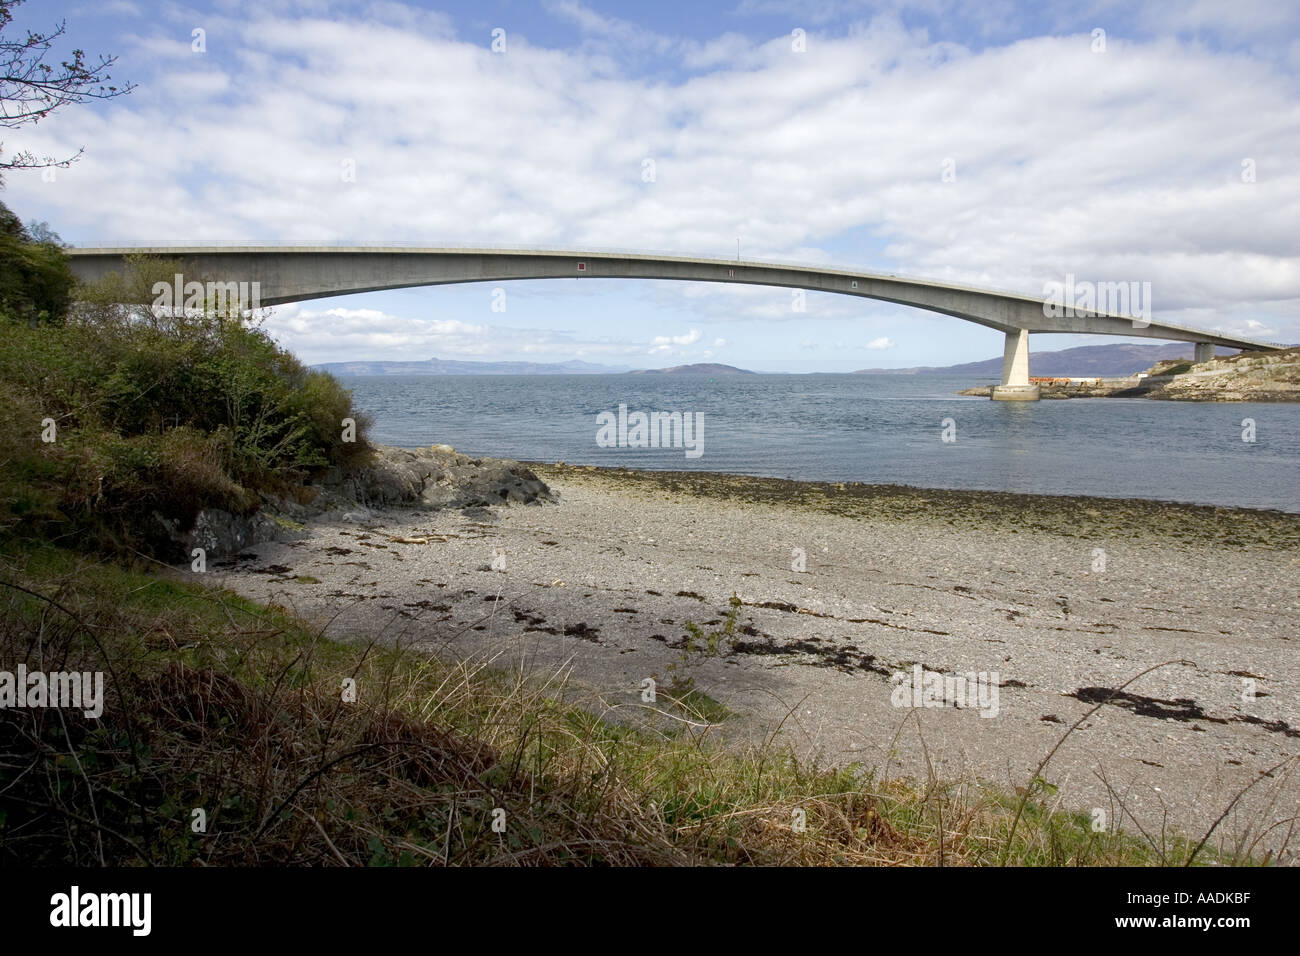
(288, 274)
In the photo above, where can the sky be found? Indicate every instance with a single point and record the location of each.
(989, 143)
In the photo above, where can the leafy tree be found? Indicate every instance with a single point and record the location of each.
(11, 225)
(35, 279)
(42, 232)
(31, 89)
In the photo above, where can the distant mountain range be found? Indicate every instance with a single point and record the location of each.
(700, 368)
(437, 366)
(1084, 361)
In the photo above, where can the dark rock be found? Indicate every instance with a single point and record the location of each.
(439, 477)
(222, 534)
(434, 478)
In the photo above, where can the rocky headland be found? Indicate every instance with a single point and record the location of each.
(1245, 377)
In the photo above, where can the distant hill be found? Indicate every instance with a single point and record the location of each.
(1085, 360)
(700, 368)
(437, 366)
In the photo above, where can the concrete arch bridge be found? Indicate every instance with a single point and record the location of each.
(284, 274)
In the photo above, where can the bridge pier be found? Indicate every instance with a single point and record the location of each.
(1204, 352)
(1015, 385)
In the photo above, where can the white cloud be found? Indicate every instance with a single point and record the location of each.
(628, 35)
(1117, 167)
(340, 333)
(688, 338)
(120, 7)
(880, 343)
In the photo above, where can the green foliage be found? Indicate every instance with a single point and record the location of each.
(698, 644)
(35, 281)
(710, 643)
(154, 415)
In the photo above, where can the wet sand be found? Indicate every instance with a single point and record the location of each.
(1063, 598)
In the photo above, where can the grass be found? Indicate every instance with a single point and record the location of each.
(303, 750)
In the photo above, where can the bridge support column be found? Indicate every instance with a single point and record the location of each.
(1204, 352)
(1015, 385)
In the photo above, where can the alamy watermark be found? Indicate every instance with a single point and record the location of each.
(130, 910)
(1129, 300)
(651, 430)
(969, 691)
(179, 297)
(77, 690)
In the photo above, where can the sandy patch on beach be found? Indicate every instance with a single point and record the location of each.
(600, 587)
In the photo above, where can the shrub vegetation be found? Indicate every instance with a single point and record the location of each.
(151, 414)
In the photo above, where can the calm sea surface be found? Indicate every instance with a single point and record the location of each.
(870, 428)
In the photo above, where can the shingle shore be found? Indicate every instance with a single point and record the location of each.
(1064, 598)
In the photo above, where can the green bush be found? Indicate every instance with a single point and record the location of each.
(154, 414)
(35, 280)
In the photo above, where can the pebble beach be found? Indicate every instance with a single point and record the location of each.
(846, 592)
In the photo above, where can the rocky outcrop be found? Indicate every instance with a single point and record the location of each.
(1246, 377)
(220, 534)
(436, 477)
(1110, 388)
